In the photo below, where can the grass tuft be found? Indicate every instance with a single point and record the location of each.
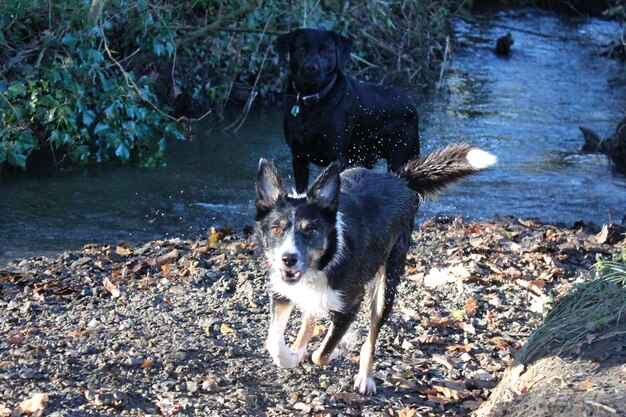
(589, 308)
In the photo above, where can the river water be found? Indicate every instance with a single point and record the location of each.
(526, 109)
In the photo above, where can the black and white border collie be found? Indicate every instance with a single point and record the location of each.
(344, 242)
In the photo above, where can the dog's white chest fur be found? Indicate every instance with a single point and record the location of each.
(312, 294)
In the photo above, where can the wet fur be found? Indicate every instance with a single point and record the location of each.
(345, 242)
(355, 123)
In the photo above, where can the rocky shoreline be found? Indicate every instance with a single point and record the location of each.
(177, 327)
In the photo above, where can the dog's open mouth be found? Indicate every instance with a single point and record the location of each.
(290, 276)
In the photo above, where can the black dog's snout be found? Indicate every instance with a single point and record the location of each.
(290, 259)
(311, 67)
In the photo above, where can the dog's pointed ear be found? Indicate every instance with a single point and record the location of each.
(344, 47)
(325, 191)
(269, 187)
(283, 44)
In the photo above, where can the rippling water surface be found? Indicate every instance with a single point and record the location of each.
(526, 109)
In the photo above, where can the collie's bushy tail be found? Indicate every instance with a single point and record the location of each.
(428, 176)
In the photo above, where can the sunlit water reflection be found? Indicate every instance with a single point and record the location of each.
(526, 109)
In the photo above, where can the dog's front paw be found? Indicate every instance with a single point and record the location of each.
(300, 353)
(282, 356)
(318, 359)
(364, 384)
(286, 359)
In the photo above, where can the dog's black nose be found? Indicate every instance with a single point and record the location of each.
(311, 67)
(290, 259)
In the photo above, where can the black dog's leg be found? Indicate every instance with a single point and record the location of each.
(340, 323)
(404, 152)
(342, 160)
(300, 172)
(407, 144)
(381, 297)
(280, 309)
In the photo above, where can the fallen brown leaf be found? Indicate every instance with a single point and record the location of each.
(39, 297)
(83, 333)
(32, 405)
(348, 397)
(431, 339)
(194, 267)
(610, 234)
(502, 346)
(123, 251)
(439, 399)
(460, 348)
(448, 393)
(501, 343)
(527, 223)
(15, 338)
(439, 322)
(147, 363)
(406, 412)
(490, 319)
(474, 229)
(225, 329)
(535, 286)
(584, 385)
(169, 257)
(111, 287)
(166, 269)
(471, 305)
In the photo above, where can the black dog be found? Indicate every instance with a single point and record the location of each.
(346, 239)
(330, 117)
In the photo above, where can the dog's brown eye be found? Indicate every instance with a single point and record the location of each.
(311, 231)
(277, 230)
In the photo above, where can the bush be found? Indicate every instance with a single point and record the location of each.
(90, 82)
(61, 91)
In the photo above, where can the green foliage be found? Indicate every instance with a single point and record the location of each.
(69, 98)
(111, 91)
(613, 271)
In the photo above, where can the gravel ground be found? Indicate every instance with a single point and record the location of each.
(177, 327)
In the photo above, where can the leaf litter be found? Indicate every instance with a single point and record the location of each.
(162, 317)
